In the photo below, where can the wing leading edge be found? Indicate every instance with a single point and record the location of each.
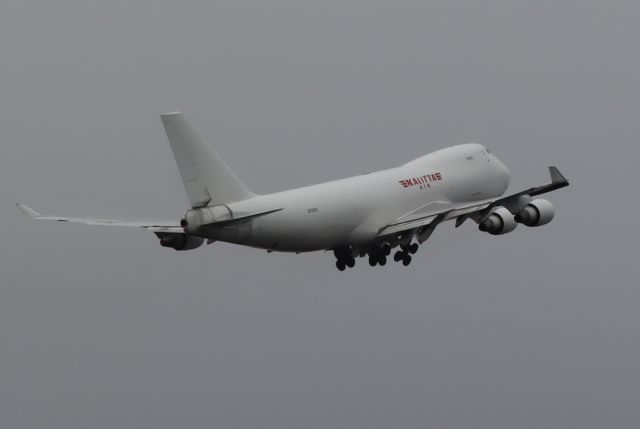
(423, 225)
(166, 227)
(161, 227)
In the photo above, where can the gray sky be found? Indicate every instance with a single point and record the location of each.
(103, 328)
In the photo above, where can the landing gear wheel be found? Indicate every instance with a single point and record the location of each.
(406, 260)
(372, 261)
(382, 260)
(350, 262)
(340, 265)
(398, 256)
(413, 248)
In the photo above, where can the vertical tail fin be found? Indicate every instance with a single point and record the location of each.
(206, 177)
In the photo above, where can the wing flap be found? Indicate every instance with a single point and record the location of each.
(406, 226)
(442, 212)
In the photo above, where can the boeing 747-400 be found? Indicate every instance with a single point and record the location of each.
(368, 215)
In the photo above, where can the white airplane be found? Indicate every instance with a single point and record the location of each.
(366, 215)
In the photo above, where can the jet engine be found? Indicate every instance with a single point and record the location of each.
(180, 241)
(498, 221)
(536, 213)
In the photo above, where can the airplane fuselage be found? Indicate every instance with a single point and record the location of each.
(351, 211)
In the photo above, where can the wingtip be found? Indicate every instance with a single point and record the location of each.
(556, 176)
(28, 211)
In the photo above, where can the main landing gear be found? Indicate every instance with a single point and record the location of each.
(377, 255)
(344, 258)
(404, 255)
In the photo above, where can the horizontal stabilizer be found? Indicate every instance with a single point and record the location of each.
(244, 217)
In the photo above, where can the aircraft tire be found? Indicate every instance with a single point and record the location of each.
(340, 265)
(382, 260)
(385, 249)
(406, 260)
(398, 256)
(351, 262)
(413, 248)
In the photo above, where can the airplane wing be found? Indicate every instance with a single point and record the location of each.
(423, 224)
(162, 227)
(423, 221)
(557, 181)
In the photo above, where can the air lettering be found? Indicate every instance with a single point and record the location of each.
(424, 182)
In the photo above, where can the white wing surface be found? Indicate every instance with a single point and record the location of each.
(427, 215)
(423, 220)
(166, 227)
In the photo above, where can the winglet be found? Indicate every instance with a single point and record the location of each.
(556, 176)
(27, 211)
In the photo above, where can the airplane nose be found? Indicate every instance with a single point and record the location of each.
(504, 169)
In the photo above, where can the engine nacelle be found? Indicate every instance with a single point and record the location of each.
(499, 221)
(536, 213)
(180, 241)
(195, 218)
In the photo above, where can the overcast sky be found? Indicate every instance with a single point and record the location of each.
(103, 328)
